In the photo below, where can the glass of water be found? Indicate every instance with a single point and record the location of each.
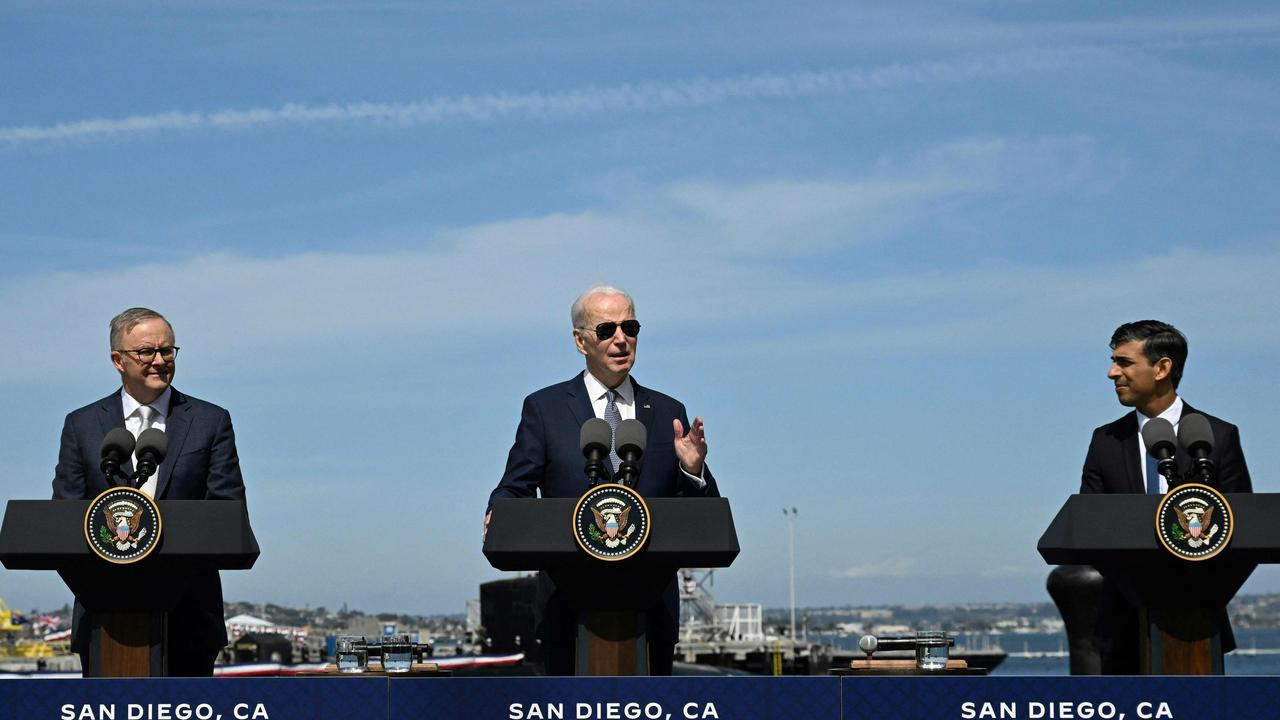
(931, 650)
(351, 653)
(397, 653)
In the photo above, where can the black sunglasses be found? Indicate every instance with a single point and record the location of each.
(605, 330)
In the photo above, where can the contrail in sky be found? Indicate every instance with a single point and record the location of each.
(588, 100)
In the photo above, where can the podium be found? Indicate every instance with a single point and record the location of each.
(1181, 604)
(611, 597)
(128, 602)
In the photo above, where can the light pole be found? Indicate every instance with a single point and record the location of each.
(791, 527)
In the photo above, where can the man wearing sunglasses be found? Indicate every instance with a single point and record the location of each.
(201, 464)
(546, 459)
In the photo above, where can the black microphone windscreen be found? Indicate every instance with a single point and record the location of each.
(595, 432)
(118, 441)
(631, 433)
(1195, 433)
(1159, 438)
(153, 440)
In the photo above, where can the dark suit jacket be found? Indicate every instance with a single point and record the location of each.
(202, 464)
(1113, 465)
(547, 460)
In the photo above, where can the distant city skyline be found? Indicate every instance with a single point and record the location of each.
(879, 249)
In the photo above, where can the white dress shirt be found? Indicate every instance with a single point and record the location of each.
(133, 423)
(1173, 414)
(599, 394)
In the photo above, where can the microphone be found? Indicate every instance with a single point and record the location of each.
(869, 644)
(117, 447)
(1197, 437)
(1162, 443)
(595, 438)
(152, 446)
(630, 442)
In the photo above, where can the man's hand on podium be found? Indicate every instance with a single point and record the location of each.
(486, 526)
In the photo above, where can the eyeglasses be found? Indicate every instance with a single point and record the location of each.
(147, 355)
(605, 330)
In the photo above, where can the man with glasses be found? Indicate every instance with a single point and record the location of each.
(201, 464)
(546, 458)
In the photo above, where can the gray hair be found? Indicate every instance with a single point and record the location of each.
(129, 319)
(578, 311)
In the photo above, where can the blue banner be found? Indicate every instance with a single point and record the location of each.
(338, 698)
(1060, 698)
(676, 698)
(680, 698)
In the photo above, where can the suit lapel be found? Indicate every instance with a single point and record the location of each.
(1132, 453)
(176, 426)
(112, 417)
(1183, 457)
(644, 412)
(579, 403)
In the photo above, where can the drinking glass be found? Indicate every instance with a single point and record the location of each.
(931, 650)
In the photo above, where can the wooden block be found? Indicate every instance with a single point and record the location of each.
(900, 664)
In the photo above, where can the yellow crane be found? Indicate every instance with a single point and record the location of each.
(6, 618)
(12, 645)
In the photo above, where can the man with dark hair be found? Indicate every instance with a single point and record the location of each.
(201, 464)
(546, 459)
(1147, 360)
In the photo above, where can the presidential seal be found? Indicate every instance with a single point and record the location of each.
(611, 522)
(122, 525)
(1194, 521)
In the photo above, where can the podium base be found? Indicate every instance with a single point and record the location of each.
(126, 644)
(1180, 641)
(612, 642)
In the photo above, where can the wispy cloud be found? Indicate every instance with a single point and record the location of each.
(587, 100)
(725, 234)
(782, 218)
(1226, 29)
(899, 568)
(910, 567)
(519, 272)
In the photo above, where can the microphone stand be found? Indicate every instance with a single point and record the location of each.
(595, 470)
(1202, 470)
(111, 472)
(1169, 469)
(629, 471)
(147, 466)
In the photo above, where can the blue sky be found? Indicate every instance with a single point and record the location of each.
(880, 250)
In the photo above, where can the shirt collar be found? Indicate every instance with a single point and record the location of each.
(160, 404)
(597, 389)
(1173, 413)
